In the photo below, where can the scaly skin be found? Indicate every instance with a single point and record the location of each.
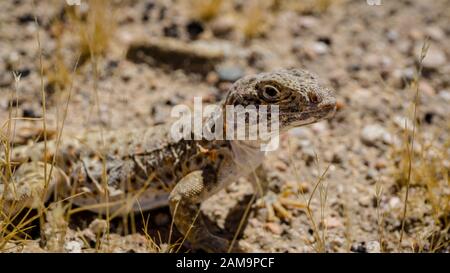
(144, 169)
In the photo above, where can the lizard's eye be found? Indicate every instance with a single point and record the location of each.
(270, 92)
(313, 97)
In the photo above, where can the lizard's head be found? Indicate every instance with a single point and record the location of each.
(298, 94)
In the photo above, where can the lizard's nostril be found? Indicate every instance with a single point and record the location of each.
(313, 97)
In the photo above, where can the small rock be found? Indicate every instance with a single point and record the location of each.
(425, 87)
(333, 222)
(373, 134)
(435, 33)
(98, 226)
(230, 73)
(300, 132)
(394, 202)
(361, 96)
(320, 48)
(212, 78)
(371, 174)
(365, 201)
(380, 164)
(445, 95)
(359, 247)
(223, 26)
(320, 127)
(416, 34)
(308, 21)
(304, 187)
(392, 35)
(73, 247)
(434, 59)
(274, 228)
(373, 247)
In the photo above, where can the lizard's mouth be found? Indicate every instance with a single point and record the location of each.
(310, 115)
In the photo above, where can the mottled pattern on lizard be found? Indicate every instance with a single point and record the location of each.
(145, 168)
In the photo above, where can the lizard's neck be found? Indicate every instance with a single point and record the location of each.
(247, 153)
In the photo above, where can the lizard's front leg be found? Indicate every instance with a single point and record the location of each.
(185, 201)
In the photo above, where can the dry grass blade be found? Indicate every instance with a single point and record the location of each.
(423, 53)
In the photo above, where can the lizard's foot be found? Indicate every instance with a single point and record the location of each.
(278, 205)
(184, 201)
(28, 187)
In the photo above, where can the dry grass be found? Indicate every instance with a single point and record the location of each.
(308, 6)
(319, 230)
(255, 19)
(205, 10)
(420, 163)
(95, 29)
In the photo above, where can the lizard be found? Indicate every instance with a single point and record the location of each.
(142, 169)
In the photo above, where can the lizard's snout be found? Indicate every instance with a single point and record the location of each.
(328, 104)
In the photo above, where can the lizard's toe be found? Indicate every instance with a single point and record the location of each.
(278, 205)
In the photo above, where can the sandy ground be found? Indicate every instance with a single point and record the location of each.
(368, 54)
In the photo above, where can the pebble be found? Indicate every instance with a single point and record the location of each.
(98, 226)
(426, 88)
(392, 35)
(361, 96)
(308, 21)
(304, 187)
(230, 73)
(359, 247)
(274, 228)
(373, 247)
(320, 48)
(372, 174)
(73, 247)
(374, 133)
(308, 154)
(435, 33)
(394, 202)
(434, 59)
(365, 201)
(445, 95)
(333, 222)
(301, 132)
(223, 26)
(320, 127)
